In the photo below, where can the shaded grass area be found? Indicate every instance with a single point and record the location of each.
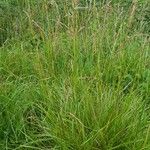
(75, 79)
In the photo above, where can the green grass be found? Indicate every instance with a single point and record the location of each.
(74, 78)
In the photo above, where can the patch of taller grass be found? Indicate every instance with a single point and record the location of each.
(75, 78)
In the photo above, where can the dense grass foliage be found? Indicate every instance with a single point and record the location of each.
(74, 75)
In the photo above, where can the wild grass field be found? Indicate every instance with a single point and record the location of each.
(74, 75)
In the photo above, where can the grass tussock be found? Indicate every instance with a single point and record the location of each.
(74, 75)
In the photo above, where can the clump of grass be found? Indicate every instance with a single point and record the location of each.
(75, 78)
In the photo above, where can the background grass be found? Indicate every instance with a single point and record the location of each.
(74, 75)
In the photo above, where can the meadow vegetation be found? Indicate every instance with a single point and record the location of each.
(74, 75)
